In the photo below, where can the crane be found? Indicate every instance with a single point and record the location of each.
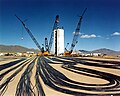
(66, 47)
(30, 34)
(76, 34)
(56, 26)
(46, 44)
(46, 47)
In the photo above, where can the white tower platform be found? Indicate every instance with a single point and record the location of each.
(58, 42)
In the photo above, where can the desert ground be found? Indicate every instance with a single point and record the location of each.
(61, 76)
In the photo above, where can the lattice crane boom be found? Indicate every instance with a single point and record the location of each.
(77, 32)
(30, 33)
(66, 47)
(56, 26)
(46, 44)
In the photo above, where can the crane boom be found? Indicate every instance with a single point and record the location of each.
(66, 47)
(30, 33)
(77, 32)
(52, 34)
(46, 44)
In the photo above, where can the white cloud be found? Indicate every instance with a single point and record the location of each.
(88, 36)
(116, 34)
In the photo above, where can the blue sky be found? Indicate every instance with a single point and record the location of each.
(100, 27)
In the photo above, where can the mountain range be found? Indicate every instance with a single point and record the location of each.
(103, 51)
(17, 48)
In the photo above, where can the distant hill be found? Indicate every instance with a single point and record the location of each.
(15, 48)
(103, 51)
(107, 52)
(84, 51)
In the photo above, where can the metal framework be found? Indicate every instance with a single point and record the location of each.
(66, 47)
(30, 33)
(77, 32)
(46, 44)
(52, 34)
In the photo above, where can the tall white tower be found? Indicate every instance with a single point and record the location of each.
(58, 41)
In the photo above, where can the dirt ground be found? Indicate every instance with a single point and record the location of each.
(73, 76)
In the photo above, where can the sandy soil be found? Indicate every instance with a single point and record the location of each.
(7, 59)
(73, 76)
(13, 84)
